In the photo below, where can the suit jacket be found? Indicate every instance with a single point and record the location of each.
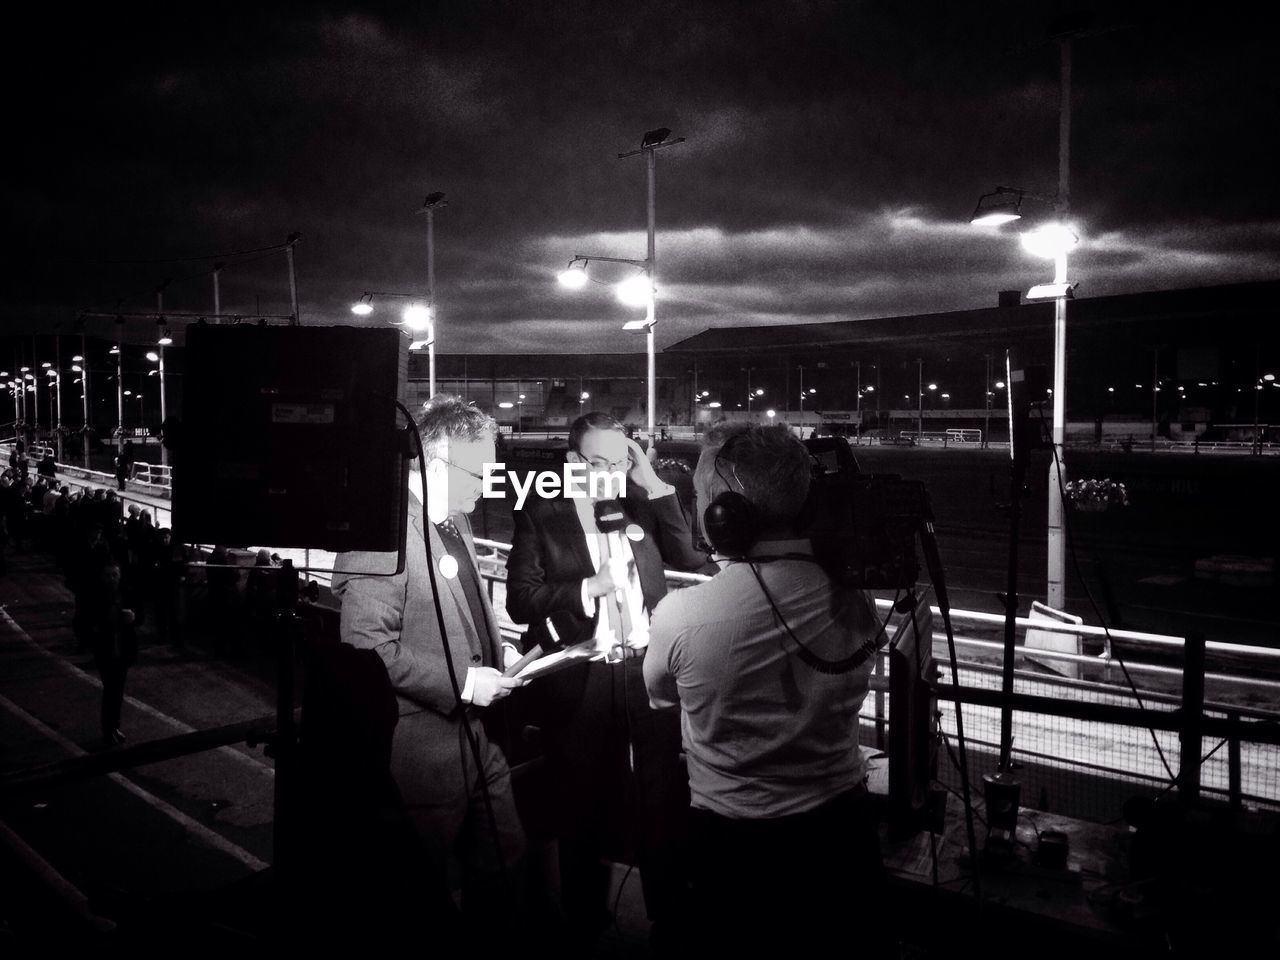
(550, 559)
(396, 616)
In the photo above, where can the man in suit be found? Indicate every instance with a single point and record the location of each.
(614, 759)
(441, 686)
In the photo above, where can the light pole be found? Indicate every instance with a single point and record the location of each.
(641, 290)
(119, 352)
(919, 399)
(1053, 241)
(649, 144)
(433, 202)
(290, 242)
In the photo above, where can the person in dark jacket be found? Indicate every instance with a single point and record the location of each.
(114, 645)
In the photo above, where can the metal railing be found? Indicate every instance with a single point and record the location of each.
(1083, 742)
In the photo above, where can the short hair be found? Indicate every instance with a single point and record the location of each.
(591, 421)
(766, 464)
(447, 416)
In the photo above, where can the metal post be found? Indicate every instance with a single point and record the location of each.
(431, 300)
(35, 383)
(750, 395)
(57, 365)
(84, 396)
(652, 259)
(1155, 394)
(693, 410)
(1256, 447)
(120, 388)
(1192, 711)
(801, 367)
(164, 453)
(217, 293)
(857, 365)
(1055, 594)
(986, 428)
(1234, 789)
(920, 400)
(296, 318)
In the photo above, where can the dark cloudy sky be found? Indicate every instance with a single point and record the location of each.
(834, 154)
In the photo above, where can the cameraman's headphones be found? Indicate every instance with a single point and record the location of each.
(730, 521)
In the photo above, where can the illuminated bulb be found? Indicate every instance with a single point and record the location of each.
(635, 291)
(417, 317)
(152, 356)
(1050, 240)
(575, 278)
(362, 309)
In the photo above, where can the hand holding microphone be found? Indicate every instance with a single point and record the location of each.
(612, 575)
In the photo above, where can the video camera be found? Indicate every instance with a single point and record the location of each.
(862, 525)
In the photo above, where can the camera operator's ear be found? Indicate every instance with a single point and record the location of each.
(731, 524)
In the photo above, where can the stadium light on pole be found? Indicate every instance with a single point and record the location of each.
(641, 290)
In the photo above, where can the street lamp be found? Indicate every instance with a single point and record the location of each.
(640, 290)
(416, 318)
(1054, 242)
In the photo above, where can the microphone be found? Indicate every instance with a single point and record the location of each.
(609, 516)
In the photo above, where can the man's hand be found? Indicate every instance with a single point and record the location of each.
(641, 471)
(612, 575)
(490, 685)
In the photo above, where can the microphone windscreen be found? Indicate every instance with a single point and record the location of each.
(609, 516)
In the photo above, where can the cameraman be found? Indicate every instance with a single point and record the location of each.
(783, 845)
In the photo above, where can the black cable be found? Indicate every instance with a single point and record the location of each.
(617, 900)
(807, 656)
(1075, 560)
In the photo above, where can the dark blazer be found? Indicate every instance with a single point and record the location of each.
(396, 617)
(550, 559)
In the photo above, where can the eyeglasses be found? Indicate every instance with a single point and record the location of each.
(469, 473)
(596, 463)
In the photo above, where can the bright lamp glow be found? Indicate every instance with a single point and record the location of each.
(153, 356)
(165, 339)
(714, 404)
(771, 413)
(417, 317)
(77, 359)
(585, 396)
(46, 365)
(635, 291)
(994, 219)
(1049, 240)
(362, 309)
(575, 278)
(75, 368)
(506, 405)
